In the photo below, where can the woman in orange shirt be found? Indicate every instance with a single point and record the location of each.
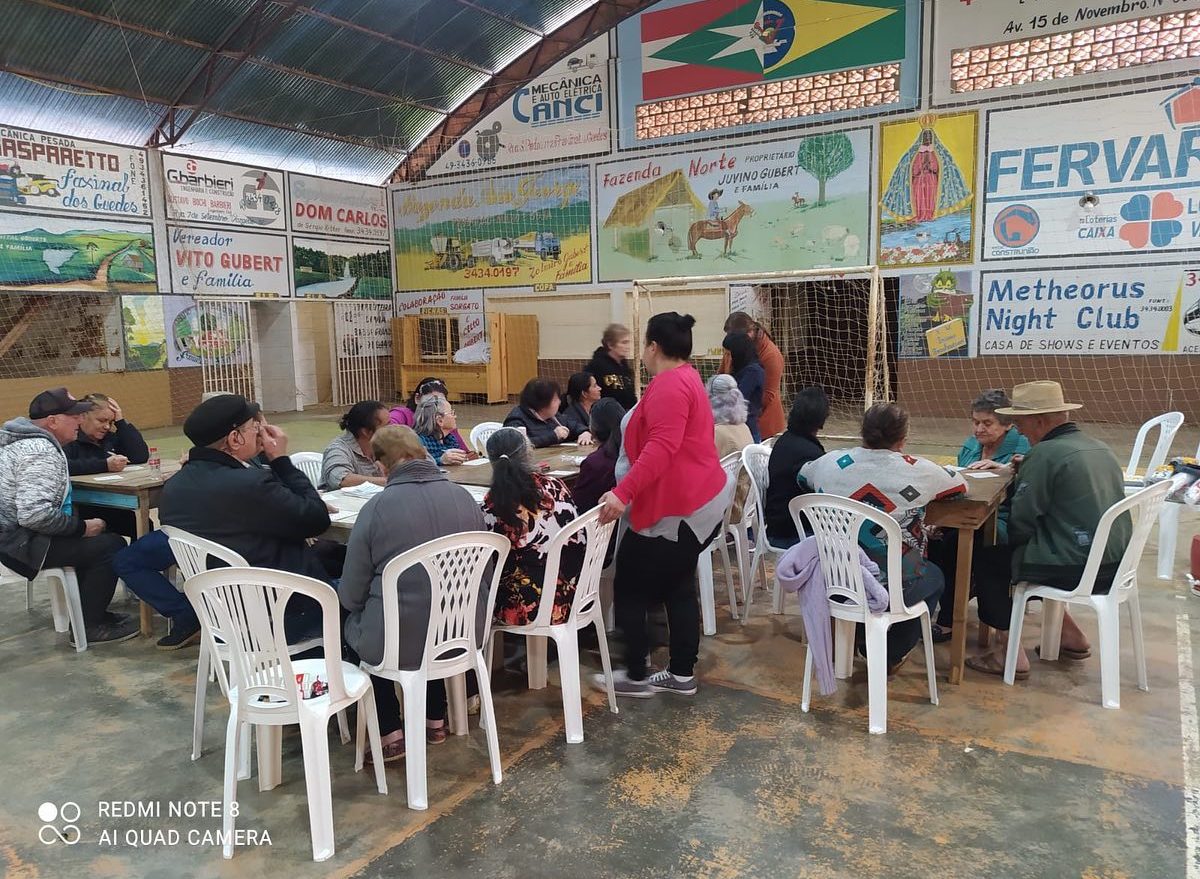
(771, 421)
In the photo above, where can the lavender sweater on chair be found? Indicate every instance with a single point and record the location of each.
(799, 570)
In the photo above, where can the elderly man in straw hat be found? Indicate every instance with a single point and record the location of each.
(1064, 486)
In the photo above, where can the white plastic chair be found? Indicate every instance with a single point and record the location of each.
(756, 459)
(585, 611)
(1168, 425)
(192, 555)
(1168, 534)
(1144, 507)
(456, 567)
(732, 465)
(242, 609)
(836, 522)
(480, 433)
(310, 465)
(65, 607)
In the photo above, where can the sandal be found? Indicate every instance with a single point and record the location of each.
(436, 735)
(941, 634)
(989, 665)
(1067, 653)
(392, 752)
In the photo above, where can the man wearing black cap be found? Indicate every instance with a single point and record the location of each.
(39, 527)
(265, 514)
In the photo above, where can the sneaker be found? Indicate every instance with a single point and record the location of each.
(116, 619)
(106, 632)
(181, 635)
(623, 686)
(665, 682)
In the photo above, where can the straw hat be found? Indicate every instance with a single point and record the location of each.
(1037, 398)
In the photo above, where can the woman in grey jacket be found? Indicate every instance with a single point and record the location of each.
(417, 505)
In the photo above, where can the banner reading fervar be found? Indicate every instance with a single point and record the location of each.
(40, 172)
(564, 113)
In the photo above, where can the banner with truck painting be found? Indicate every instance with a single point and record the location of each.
(53, 172)
(1143, 309)
(800, 203)
(76, 254)
(1113, 175)
(512, 231)
(927, 190)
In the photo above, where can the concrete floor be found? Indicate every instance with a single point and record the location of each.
(1035, 780)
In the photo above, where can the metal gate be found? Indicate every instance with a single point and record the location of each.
(225, 333)
(361, 335)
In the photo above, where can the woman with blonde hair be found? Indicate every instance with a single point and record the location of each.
(610, 366)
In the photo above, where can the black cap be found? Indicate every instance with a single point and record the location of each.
(217, 416)
(57, 402)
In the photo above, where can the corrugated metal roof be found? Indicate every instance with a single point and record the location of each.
(298, 84)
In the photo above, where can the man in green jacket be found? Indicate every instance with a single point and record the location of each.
(1065, 484)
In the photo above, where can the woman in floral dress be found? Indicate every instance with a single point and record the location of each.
(529, 509)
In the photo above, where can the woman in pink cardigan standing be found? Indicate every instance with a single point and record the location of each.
(675, 493)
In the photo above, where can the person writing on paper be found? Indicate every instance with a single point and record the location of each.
(1062, 489)
(435, 424)
(537, 413)
(348, 460)
(994, 439)
(418, 504)
(879, 473)
(582, 393)
(406, 414)
(106, 442)
(676, 493)
(529, 509)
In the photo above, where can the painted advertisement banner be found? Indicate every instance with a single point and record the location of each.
(1114, 175)
(500, 232)
(53, 172)
(561, 114)
(938, 314)
(332, 207)
(363, 330)
(927, 190)
(212, 262)
(1100, 29)
(193, 329)
(200, 190)
(341, 269)
(48, 254)
(1146, 309)
(145, 332)
(787, 204)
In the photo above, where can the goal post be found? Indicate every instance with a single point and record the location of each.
(830, 324)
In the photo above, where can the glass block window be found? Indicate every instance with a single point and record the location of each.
(1107, 47)
(862, 87)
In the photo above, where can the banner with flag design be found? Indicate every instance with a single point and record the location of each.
(714, 44)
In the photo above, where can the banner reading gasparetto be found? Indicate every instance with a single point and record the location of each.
(42, 172)
(1113, 175)
(212, 262)
(1147, 309)
(204, 191)
(333, 207)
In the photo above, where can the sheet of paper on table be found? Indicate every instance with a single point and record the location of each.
(475, 463)
(344, 516)
(562, 473)
(129, 467)
(477, 491)
(363, 489)
(114, 477)
(980, 474)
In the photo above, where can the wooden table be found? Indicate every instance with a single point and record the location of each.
(967, 515)
(474, 477)
(137, 489)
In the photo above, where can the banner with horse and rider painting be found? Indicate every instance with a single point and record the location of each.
(780, 205)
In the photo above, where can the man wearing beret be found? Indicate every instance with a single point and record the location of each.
(40, 526)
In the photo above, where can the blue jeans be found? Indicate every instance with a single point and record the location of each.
(141, 566)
